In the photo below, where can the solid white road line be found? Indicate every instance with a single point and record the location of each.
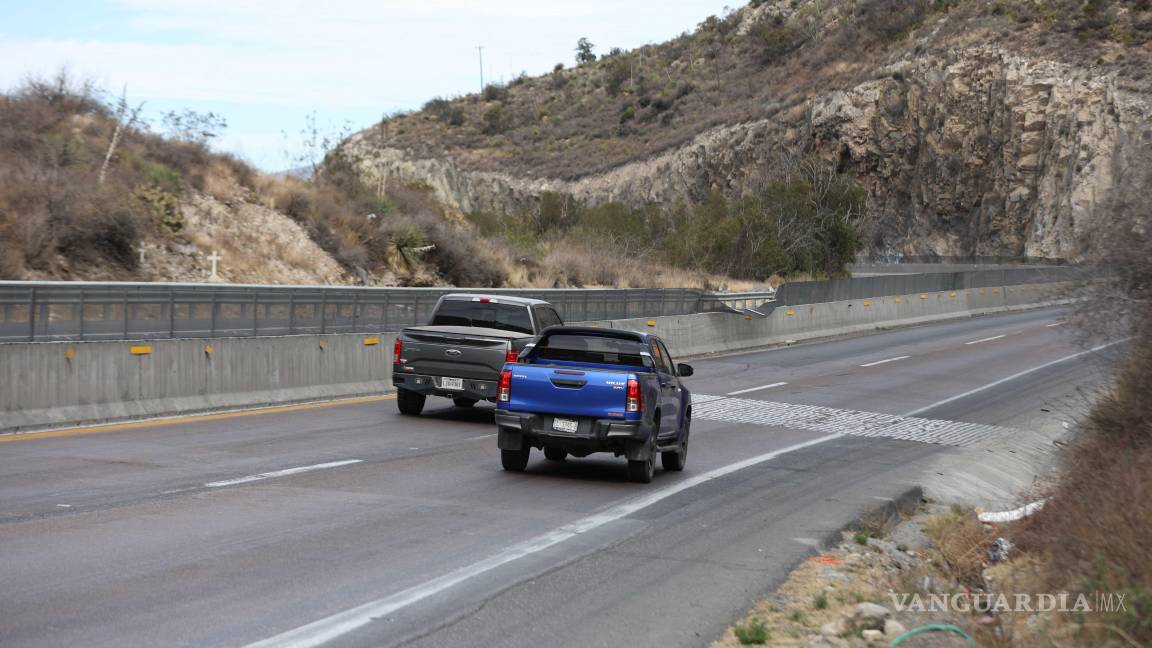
(341, 623)
(1014, 376)
(1061, 323)
(987, 339)
(752, 389)
(880, 362)
(282, 473)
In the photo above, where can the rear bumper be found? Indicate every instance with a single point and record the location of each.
(429, 386)
(593, 435)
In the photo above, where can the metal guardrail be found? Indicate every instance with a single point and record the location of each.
(58, 311)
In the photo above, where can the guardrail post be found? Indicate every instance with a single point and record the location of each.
(255, 300)
(32, 315)
(212, 328)
(124, 314)
(291, 312)
(355, 311)
(80, 318)
(323, 311)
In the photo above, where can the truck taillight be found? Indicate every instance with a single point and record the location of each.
(504, 391)
(397, 349)
(511, 355)
(635, 402)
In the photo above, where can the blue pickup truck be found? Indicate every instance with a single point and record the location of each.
(579, 390)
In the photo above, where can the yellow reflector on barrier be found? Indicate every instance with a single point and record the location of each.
(70, 353)
(372, 341)
(788, 312)
(923, 295)
(140, 350)
(952, 294)
(651, 322)
(995, 290)
(897, 300)
(208, 349)
(867, 303)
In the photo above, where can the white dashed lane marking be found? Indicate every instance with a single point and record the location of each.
(282, 473)
(752, 389)
(829, 420)
(880, 362)
(987, 339)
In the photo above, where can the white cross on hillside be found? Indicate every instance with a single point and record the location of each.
(214, 258)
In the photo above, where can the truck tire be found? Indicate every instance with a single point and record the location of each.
(555, 454)
(515, 460)
(409, 402)
(461, 401)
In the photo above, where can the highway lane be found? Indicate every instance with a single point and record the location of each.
(143, 552)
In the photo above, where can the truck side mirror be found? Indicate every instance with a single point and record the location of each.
(684, 370)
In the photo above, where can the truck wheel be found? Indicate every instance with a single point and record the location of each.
(555, 454)
(460, 401)
(675, 459)
(409, 402)
(515, 460)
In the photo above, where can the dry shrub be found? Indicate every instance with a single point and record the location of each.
(962, 541)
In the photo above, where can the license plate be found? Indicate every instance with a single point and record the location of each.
(451, 383)
(565, 425)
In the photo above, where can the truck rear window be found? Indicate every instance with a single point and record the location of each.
(505, 317)
(591, 349)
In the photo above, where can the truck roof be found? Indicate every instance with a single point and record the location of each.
(501, 299)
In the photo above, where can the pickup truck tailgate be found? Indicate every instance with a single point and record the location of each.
(569, 391)
(452, 351)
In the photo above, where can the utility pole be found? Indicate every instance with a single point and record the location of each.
(480, 51)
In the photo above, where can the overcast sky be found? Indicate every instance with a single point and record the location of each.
(265, 64)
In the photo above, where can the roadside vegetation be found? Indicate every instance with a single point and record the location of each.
(795, 220)
(82, 182)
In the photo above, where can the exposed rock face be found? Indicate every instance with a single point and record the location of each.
(977, 152)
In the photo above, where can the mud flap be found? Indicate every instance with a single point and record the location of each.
(639, 450)
(509, 439)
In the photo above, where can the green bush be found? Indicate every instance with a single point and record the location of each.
(754, 632)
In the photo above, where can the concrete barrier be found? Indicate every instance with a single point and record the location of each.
(57, 384)
(54, 384)
(700, 335)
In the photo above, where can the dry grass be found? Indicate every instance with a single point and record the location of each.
(962, 543)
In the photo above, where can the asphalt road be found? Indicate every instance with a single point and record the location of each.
(401, 531)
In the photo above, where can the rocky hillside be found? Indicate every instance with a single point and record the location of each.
(973, 126)
(87, 192)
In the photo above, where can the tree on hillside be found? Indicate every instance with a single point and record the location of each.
(584, 53)
(190, 126)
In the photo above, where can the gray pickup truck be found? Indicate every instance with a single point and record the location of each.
(460, 353)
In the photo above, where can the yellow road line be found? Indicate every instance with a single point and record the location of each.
(194, 418)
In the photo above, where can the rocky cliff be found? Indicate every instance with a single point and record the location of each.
(966, 145)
